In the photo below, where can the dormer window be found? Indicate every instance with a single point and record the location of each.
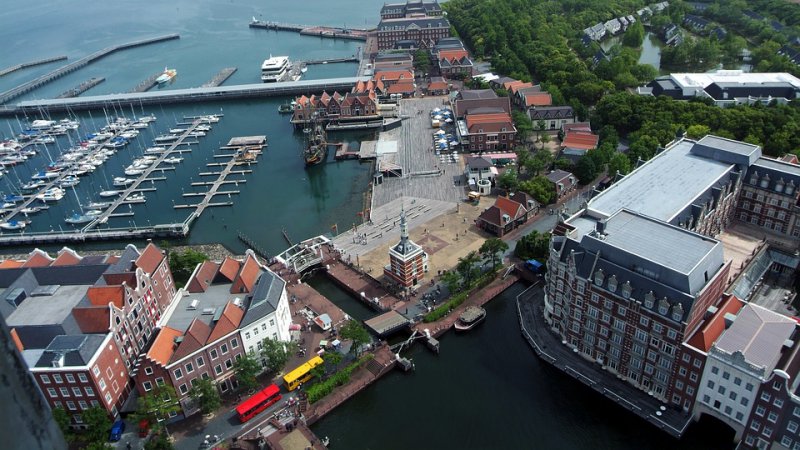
(626, 290)
(677, 312)
(599, 277)
(765, 181)
(663, 306)
(612, 283)
(754, 178)
(790, 188)
(779, 185)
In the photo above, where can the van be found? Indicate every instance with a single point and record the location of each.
(116, 430)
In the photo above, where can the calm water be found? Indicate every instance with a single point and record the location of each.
(651, 49)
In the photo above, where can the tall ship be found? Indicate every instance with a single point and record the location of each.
(276, 68)
(316, 149)
(167, 76)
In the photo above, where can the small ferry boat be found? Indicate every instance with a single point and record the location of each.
(14, 225)
(471, 317)
(167, 76)
(109, 193)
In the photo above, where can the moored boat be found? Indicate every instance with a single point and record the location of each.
(13, 225)
(122, 181)
(53, 194)
(109, 193)
(471, 317)
(135, 198)
(76, 218)
(166, 76)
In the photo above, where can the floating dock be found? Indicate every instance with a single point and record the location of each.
(346, 59)
(39, 62)
(189, 95)
(79, 64)
(147, 84)
(355, 34)
(387, 323)
(81, 88)
(220, 78)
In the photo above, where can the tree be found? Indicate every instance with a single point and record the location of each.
(634, 35)
(97, 424)
(246, 368)
(357, 333)
(205, 393)
(182, 264)
(697, 131)
(276, 353)
(422, 61)
(534, 245)
(159, 441)
(466, 266)
(490, 249)
(63, 421)
(523, 124)
(586, 170)
(508, 181)
(523, 157)
(452, 280)
(540, 188)
(619, 163)
(539, 162)
(97, 446)
(157, 405)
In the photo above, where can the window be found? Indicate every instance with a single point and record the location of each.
(687, 357)
(148, 370)
(82, 378)
(64, 392)
(159, 381)
(710, 384)
(70, 378)
(644, 321)
(721, 390)
(108, 398)
(71, 406)
(217, 369)
(45, 379)
(786, 441)
(178, 373)
(57, 378)
(728, 410)
(755, 425)
(766, 397)
(693, 376)
(739, 416)
(52, 392)
(689, 390)
(200, 361)
(760, 410)
(778, 402)
(213, 353)
(189, 367)
(247, 335)
(224, 348)
(772, 417)
(744, 401)
(89, 391)
(715, 370)
(737, 381)
(76, 391)
(183, 389)
(706, 399)
(733, 395)
(791, 426)
(749, 387)
(228, 363)
(147, 386)
(234, 343)
(697, 362)
(682, 371)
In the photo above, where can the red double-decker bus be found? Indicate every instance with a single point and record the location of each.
(258, 402)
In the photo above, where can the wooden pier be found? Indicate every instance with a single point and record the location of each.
(147, 84)
(39, 62)
(221, 77)
(346, 59)
(79, 64)
(81, 88)
(356, 34)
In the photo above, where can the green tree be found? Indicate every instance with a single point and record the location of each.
(63, 421)
(159, 441)
(508, 181)
(357, 333)
(452, 280)
(540, 188)
(563, 164)
(619, 163)
(634, 35)
(540, 161)
(523, 158)
(697, 131)
(97, 424)
(523, 124)
(157, 405)
(276, 353)
(246, 368)
(182, 264)
(422, 61)
(466, 266)
(491, 248)
(332, 360)
(206, 394)
(586, 170)
(534, 245)
(97, 446)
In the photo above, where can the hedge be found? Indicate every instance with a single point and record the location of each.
(319, 390)
(445, 308)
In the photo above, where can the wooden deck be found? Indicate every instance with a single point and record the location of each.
(357, 283)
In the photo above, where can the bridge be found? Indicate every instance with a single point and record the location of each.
(199, 94)
(24, 88)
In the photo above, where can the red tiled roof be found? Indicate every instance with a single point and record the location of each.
(538, 99)
(522, 198)
(437, 86)
(510, 207)
(393, 75)
(164, 345)
(580, 140)
(195, 337)
(103, 295)
(247, 276)
(150, 258)
(94, 319)
(228, 321)
(128, 278)
(229, 268)
(491, 215)
(67, 257)
(112, 259)
(453, 54)
(38, 258)
(11, 264)
(705, 337)
(520, 85)
(509, 84)
(203, 277)
(401, 88)
(790, 158)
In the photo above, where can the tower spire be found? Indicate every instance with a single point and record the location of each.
(403, 226)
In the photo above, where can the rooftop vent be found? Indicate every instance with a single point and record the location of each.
(788, 343)
(729, 318)
(710, 311)
(208, 311)
(58, 360)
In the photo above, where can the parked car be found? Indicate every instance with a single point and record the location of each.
(116, 430)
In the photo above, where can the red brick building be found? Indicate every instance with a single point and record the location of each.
(507, 213)
(423, 31)
(408, 262)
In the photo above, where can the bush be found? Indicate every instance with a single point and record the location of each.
(445, 308)
(319, 390)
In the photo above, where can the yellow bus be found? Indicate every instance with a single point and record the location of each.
(301, 374)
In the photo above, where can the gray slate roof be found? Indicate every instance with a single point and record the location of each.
(264, 300)
(758, 334)
(77, 349)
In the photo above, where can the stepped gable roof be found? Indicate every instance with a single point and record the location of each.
(247, 276)
(711, 330)
(164, 345)
(93, 319)
(11, 264)
(196, 337)
(453, 54)
(551, 112)
(202, 277)
(228, 269)
(66, 257)
(103, 295)
(38, 258)
(228, 321)
(510, 207)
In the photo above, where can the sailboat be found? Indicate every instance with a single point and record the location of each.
(316, 146)
(13, 225)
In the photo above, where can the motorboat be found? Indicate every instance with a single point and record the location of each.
(133, 171)
(122, 181)
(177, 130)
(211, 118)
(53, 194)
(76, 218)
(135, 198)
(33, 209)
(275, 69)
(167, 76)
(173, 160)
(69, 181)
(12, 198)
(109, 193)
(13, 225)
(93, 213)
(147, 119)
(155, 150)
(98, 205)
(167, 138)
(32, 185)
(197, 133)
(470, 318)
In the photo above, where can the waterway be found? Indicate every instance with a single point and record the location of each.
(488, 390)
(651, 48)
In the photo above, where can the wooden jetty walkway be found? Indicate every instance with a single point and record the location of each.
(189, 95)
(26, 87)
(221, 77)
(352, 58)
(81, 88)
(147, 84)
(17, 67)
(356, 34)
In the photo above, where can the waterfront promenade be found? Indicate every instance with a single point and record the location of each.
(550, 348)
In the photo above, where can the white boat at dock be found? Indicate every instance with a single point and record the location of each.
(197, 133)
(167, 138)
(470, 318)
(173, 160)
(98, 205)
(109, 193)
(33, 209)
(122, 181)
(147, 119)
(76, 219)
(155, 150)
(211, 118)
(166, 76)
(133, 171)
(44, 175)
(135, 198)
(32, 185)
(177, 130)
(14, 225)
(53, 194)
(69, 181)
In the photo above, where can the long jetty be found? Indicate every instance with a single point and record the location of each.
(355, 34)
(332, 60)
(220, 78)
(147, 84)
(78, 64)
(81, 88)
(189, 95)
(38, 62)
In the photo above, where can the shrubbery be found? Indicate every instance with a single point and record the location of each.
(319, 390)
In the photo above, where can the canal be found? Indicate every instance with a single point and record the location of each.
(650, 52)
(487, 390)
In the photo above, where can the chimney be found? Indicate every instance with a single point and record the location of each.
(729, 318)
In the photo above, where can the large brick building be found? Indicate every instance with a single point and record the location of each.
(409, 9)
(408, 262)
(420, 32)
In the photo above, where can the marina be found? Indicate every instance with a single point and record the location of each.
(81, 88)
(221, 77)
(39, 62)
(26, 87)
(147, 84)
(313, 30)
